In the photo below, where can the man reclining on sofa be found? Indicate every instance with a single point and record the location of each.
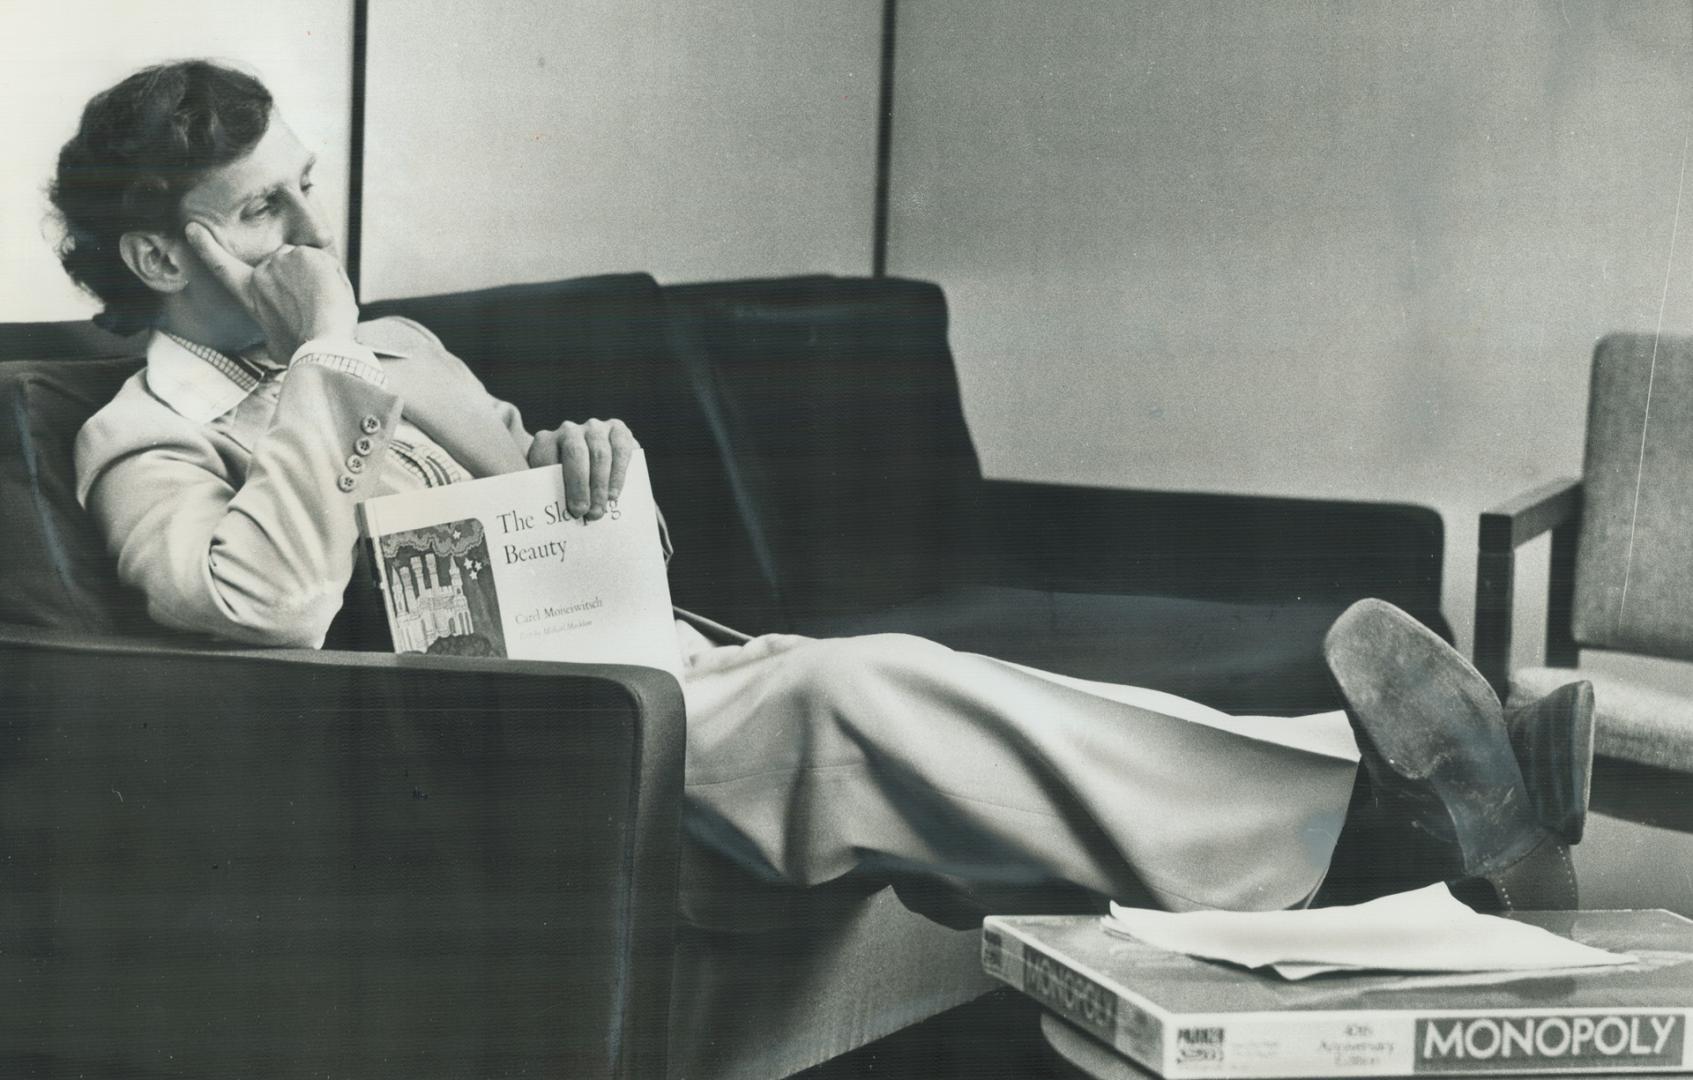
(225, 476)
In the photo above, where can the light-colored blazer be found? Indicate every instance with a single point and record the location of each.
(247, 530)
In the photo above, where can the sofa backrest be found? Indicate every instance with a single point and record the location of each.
(56, 571)
(805, 435)
(838, 408)
(607, 347)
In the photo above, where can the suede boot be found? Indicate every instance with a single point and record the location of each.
(1441, 762)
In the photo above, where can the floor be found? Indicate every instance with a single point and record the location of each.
(996, 1037)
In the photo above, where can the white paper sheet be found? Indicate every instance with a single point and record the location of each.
(1423, 930)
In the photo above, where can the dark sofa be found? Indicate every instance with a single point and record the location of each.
(225, 862)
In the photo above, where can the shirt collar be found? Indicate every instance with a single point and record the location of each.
(201, 383)
(190, 381)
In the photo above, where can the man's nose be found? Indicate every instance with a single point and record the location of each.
(309, 228)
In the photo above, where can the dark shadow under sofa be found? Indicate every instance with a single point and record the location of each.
(241, 862)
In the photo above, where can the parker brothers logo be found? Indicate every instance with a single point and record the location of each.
(1549, 1042)
(1195, 1044)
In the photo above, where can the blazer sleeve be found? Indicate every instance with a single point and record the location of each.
(509, 417)
(264, 559)
(503, 412)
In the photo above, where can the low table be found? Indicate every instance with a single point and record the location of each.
(1088, 1054)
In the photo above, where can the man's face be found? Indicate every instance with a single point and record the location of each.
(257, 203)
(253, 206)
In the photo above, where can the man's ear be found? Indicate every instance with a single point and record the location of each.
(158, 261)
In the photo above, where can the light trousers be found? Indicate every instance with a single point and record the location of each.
(810, 759)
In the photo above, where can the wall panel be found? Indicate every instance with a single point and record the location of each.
(530, 140)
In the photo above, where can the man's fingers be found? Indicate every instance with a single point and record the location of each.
(573, 455)
(544, 450)
(232, 272)
(623, 447)
(595, 457)
(598, 438)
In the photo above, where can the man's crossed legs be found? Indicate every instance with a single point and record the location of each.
(897, 758)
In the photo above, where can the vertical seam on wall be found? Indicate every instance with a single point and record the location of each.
(355, 150)
(884, 141)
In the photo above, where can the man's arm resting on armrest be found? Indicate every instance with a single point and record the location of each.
(262, 559)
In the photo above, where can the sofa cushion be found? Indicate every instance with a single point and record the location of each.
(57, 573)
(558, 350)
(840, 410)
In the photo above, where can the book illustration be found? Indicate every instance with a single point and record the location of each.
(441, 595)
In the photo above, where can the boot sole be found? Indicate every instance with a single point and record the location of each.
(1436, 724)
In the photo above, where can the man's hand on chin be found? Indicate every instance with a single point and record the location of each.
(595, 455)
(294, 294)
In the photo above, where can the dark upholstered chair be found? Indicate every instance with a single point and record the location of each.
(1621, 578)
(230, 862)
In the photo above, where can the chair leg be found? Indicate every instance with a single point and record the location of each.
(1561, 649)
(1495, 580)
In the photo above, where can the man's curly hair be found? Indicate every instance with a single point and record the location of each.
(141, 146)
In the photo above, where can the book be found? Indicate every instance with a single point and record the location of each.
(497, 567)
(1182, 1017)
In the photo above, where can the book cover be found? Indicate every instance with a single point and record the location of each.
(1183, 1017)
(497, 567)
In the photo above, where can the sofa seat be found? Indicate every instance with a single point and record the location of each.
(1260, 658)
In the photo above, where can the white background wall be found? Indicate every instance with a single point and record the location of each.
(1356, 249)
(54, 57)
(535, 139)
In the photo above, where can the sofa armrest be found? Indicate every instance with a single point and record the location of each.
(239, 862)
(1213, 546)
(1554, 507)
